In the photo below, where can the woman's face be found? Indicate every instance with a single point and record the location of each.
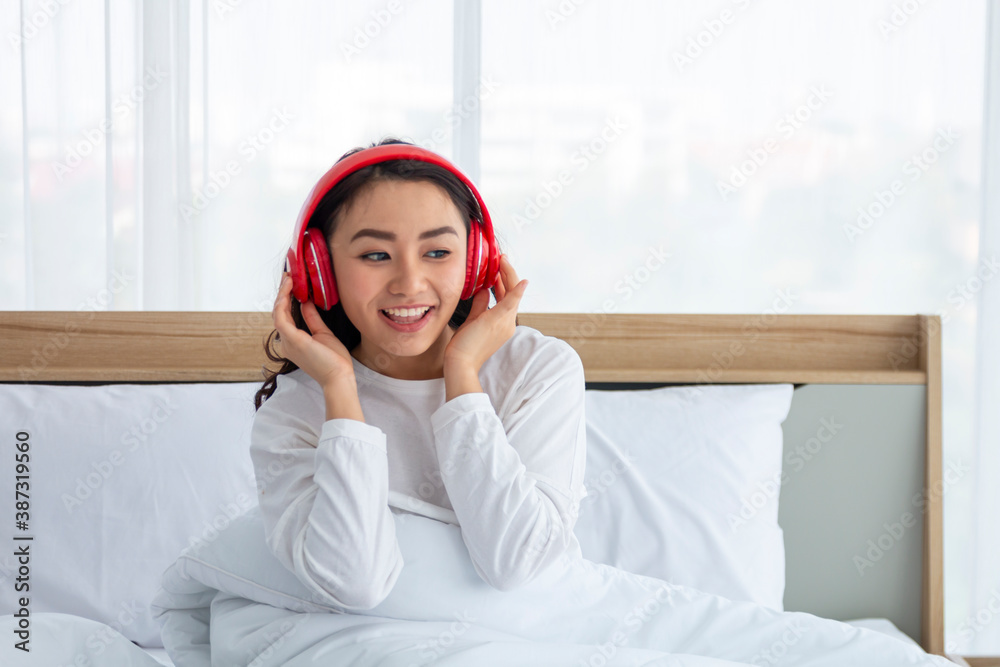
(400, 243)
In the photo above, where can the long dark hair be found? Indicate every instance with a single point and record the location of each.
(326, 218)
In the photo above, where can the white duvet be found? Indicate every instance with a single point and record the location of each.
(231, 602)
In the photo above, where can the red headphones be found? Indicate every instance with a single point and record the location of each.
(309, 261)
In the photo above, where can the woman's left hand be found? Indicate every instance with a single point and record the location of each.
(486, 329)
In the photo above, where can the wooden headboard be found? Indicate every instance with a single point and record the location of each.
(84, 347)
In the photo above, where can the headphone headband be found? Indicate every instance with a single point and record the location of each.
(374, 155)
(484, 247)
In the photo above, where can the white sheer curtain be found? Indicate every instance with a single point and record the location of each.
(220, 114)
(980, 624)
(154, 155)
(757, 145)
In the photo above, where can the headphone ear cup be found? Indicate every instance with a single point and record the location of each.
(300, 279)
(473, 261)
(320, 269)
(491, 262)
(484, 261)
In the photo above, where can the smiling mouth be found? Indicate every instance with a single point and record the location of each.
(408, 320)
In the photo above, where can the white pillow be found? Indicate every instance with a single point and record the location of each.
(122, 478)
(682, 484)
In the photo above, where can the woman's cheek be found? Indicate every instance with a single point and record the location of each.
(457, 283)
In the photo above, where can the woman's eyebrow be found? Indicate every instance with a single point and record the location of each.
(391, 236)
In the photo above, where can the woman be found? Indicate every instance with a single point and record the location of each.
(409, 395)
(463, 415)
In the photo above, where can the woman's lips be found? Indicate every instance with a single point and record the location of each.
(407, 327)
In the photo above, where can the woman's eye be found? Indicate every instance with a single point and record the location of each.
(369, 255)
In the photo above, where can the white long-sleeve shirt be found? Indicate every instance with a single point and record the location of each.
(506, 465)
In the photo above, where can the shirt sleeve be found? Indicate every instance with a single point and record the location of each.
(516, 484)
(323, 497)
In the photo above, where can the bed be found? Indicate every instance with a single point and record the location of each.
(857, 504)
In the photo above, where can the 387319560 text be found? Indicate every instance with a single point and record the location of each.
(21, 541)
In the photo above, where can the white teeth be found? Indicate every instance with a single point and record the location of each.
(406, 312)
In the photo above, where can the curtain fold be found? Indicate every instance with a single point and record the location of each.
(165, 249)
(981, 626)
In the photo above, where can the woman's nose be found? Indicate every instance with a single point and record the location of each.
(409, 277)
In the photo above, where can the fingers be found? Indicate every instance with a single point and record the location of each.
(508, 273)
(310, 313)
(480, 304)
(510, 282)
(282, 313)
(506, 270)
(502, 279)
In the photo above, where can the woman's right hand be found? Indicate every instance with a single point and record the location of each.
(321, 355)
